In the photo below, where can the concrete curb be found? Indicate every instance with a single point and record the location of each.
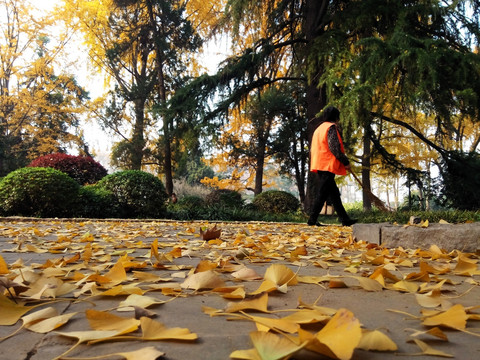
(462, 237)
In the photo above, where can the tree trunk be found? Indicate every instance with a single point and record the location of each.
(167, 169)
(138, 139)
(315, 95)
(367, 150)
(259, 175)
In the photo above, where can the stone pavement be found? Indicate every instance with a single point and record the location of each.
(326, 261)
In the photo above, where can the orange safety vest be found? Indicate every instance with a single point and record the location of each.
(321, 158)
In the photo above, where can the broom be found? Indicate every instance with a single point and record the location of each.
(375, 200)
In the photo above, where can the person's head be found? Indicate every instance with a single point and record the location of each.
(331, 114)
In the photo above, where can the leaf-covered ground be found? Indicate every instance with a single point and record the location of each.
(196, 290)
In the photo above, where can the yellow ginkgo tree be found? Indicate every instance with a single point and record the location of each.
(40, 102)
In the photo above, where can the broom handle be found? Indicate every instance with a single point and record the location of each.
(356, 178)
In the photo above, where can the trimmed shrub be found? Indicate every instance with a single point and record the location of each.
(94, 202)
(138, 194)
(276, 202)
(224, 198)
(41, 192)
(83, 169)
(189, 207)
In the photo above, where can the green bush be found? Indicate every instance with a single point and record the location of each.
(276, 202)
(224, 198)
(41, 192)
(189, 207)
(138, 194)
(94, 202)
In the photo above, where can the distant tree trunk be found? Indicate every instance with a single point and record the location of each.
(138, 139)
(167, 167)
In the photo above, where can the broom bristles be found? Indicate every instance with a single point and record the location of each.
(376, 201)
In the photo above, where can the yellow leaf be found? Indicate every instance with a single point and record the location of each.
(265, 287)
(280, 275)
(146, 353)
(405, 286)
(427, 350)
(122, 290)
(455, 318)
(250, 354)
(48, 287)
(3, 266)
(425, 267)
(139, 301)
(435, 331)
(466, 266)
(340, 336)
(84, 336)
(49, 324)
(368, 284)
(258, 304)
(205, 265)
(154, 330)
(307, 316)
(117, 273)
(272, 347)
(246, 274)
(42, 321)
(203, 280)
(279, 325)
(432, 299)
(376, 341)
(87, 252)
(154, 250)
(10, 312)
(238, 293)
(104, 321)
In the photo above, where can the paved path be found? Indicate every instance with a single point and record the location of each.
(328, 264)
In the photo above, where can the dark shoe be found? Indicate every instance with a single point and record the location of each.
(349, 222)
(315, 224)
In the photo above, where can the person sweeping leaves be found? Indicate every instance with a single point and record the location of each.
(327, 159)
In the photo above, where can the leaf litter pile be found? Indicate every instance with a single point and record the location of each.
(147, 290)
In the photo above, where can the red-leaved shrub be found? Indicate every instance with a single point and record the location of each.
(83, 169)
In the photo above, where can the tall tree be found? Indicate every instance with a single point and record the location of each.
(403, 61)
(39, 108)
(144, 46)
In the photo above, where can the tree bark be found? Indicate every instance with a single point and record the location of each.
(366, 184)
(138, 139)
(162, 98)
(315, 11)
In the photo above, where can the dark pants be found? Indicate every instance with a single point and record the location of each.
(327, 189)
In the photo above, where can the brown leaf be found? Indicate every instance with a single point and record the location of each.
(210, 234)
(8, 284)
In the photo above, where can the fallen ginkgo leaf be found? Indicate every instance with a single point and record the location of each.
(146, 353)
(267, 346)
(259, 303)
(377, 341)
(455, 318)
(203, 280)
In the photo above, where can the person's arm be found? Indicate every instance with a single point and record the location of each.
(334, 146)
